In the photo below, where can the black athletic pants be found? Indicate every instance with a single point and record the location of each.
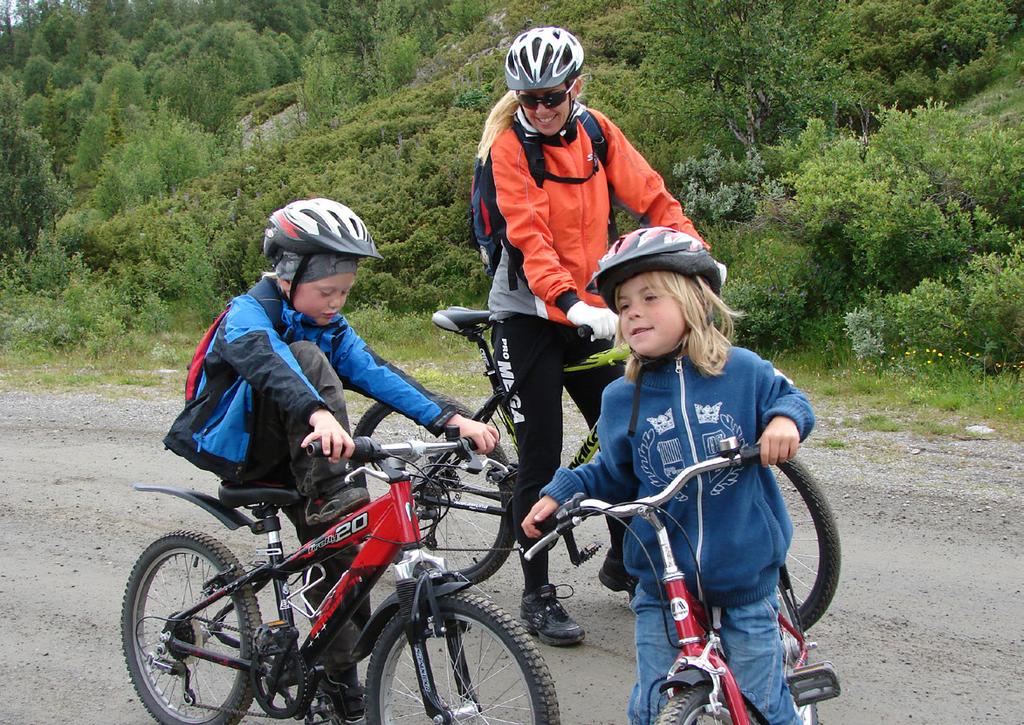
(535, 350)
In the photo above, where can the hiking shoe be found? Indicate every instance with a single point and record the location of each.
(335, 504)
(349, 701)
(613, 575)
(545, 617)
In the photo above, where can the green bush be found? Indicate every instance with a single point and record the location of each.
(154, 159)
(913, 204)
(977, 318)
(768, 285)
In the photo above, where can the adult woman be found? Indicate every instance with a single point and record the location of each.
(553, 227)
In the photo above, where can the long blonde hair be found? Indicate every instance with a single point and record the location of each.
(709, 322)
(498, 120)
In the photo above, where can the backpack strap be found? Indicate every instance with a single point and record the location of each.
(535, 153)
(268, 294)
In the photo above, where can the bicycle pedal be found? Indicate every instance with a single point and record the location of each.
(587, 552)
(813, 683)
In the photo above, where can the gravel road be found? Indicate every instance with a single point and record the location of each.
(932, 551)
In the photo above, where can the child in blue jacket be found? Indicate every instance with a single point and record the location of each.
(686, 388)
(273, 382)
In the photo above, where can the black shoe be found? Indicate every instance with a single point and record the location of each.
(335, 504)
(613, 575)
(348, 701)
(545, 617)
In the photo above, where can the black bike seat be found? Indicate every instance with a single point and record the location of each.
(458, 319)
(250, 494)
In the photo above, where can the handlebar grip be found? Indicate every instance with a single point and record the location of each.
(585, 331)
(750, 454)
(366, 449)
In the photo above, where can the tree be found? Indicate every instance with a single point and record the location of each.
(748, 64)
(31, 198)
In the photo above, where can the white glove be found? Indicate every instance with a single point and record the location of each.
(601, 320)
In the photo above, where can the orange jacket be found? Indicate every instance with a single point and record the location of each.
(562, 229)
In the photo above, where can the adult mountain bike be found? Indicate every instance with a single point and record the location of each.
(198, 650)
(699, 685)
(464, 516)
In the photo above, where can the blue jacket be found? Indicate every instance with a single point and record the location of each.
(250, 355)
(735, 520)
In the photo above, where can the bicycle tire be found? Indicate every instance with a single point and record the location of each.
(509, 680)
(474, 543)
(686, 707)
(813, 563)
(169, 576)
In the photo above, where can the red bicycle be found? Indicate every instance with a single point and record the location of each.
(699, 685)
(198, 650)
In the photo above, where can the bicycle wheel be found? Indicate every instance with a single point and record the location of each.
(172, 574)
(485, 666)
(814, 555)
(462, 515)
(687, 707)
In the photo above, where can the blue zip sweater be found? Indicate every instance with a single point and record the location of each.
(250, 354)
(735, 519)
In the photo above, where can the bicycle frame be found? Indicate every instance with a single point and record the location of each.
(497, 403)
(385, 527)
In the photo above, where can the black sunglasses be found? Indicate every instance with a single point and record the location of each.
(550, 100)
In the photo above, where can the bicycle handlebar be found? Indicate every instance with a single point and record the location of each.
(368, 450)
(572, 513)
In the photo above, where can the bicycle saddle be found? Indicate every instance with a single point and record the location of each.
(458, 319)
(250, 494)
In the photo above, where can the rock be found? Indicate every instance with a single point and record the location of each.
(979, 429)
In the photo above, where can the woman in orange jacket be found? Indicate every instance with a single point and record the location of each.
(554, 224)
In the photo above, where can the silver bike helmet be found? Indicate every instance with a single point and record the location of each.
(543, 58)
(654, 248)
(317, 226)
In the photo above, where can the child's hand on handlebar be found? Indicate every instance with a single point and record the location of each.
(484, 435)
(334, 439)
(779, 441)
(540, 511)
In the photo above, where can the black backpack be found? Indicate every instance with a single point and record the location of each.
(484, 215)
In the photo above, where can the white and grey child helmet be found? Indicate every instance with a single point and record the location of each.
(317, 226)
(650, 249)
(543, 58)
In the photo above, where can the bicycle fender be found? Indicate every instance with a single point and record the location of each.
(688, 676)
(388, 609)
(231, 518)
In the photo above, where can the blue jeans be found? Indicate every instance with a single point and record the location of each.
(753, 648)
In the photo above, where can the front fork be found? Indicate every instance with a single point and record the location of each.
(422, 582)
(699, 645)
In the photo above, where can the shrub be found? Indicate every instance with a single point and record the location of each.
(769, 286)
(978, 317)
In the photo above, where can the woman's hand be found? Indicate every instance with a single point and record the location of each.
(540, 511)
(780, 441)
(484, 435)
(336, 441)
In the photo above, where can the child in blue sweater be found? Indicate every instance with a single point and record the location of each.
(686, 388)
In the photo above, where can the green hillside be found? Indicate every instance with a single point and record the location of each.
(859, 165)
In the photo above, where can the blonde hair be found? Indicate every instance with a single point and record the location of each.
(498, 121)
(501, 116)
(709, 322)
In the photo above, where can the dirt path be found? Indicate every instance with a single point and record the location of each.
(931, 569)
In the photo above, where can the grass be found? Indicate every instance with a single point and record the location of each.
(1003, 99)
(939, 401)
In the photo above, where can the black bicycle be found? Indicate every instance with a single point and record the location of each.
(463, 514)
